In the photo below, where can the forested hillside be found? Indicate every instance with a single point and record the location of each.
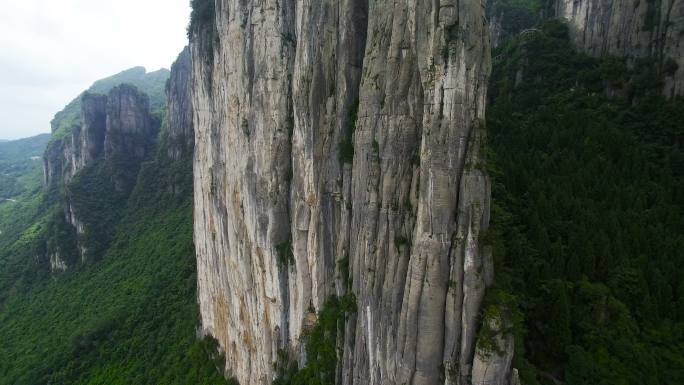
(129, 314)
(588, 165)
(129, 318)
(20, 165)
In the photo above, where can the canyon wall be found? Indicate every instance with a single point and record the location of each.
(338, 151)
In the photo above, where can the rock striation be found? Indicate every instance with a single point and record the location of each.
(637, 29)
(338, 148)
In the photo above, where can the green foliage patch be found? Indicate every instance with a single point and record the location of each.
(587, 221)
(129, 317)
(321, 346)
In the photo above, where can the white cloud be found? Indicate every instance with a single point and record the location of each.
(50, 50)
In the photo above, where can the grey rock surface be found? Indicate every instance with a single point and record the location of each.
(494, 367)
(635, 29)
(344, 130)
(129, 126)
(179, 132)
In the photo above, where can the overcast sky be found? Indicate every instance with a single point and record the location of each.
(51, 50)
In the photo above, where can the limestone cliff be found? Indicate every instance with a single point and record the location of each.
(635, 29)
(129, 130)
(113, 128)
(179, 133)
(339, 148)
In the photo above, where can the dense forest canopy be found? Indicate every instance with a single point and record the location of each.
(587, 220)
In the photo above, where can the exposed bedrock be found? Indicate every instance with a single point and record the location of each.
(333, 131)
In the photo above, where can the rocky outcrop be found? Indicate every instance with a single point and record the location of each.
(129, 126)
(179, 136)
(114, 126)
(638, 29)
(342, 133)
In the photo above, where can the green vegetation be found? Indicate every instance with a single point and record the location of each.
(321, 346)
(400, 241)
(515, 15)
(587, 221)
(500, 315)
(128, 318)
(21, 166)
(285, 254)
(22, 208)
(203, 13)
(346, 148)
(97, 194)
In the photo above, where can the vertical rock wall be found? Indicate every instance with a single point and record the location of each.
(129, 125)
(179, 131)
(342, 130)
(117, 125)
(636, 29)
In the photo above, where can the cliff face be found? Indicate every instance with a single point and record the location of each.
(333, 134)
(180, 136)
(115, 124)
(640, 29)
(117, 127)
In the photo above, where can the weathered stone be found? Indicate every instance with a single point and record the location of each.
(284, 92)
(494, 367)
(113, 125)
(179, 135)
(129, 126)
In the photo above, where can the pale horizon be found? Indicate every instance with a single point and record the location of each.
(54, 49)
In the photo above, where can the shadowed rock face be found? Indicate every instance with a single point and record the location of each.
(129, 126)
(94, 118)
(179, 113)
(634, 29)
(346, 130)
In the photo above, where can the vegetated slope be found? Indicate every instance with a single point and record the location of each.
(129, 315)
(21, 200)
(20, 165)
(508, 17)
(129, 318)
(587, 218)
